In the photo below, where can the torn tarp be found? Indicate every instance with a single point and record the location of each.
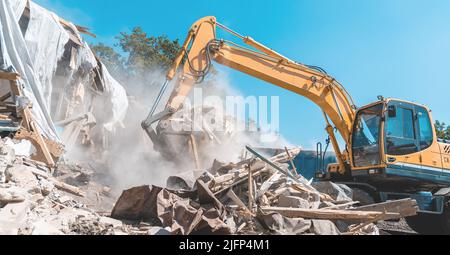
(16, 58)
(60, 75)
(173, 209)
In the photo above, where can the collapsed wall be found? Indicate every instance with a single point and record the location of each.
(74, 98)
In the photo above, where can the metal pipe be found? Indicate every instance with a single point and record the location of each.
(229, 30)
(158, 99)
(271, 164)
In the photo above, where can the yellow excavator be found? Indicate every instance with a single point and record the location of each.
(391, 148)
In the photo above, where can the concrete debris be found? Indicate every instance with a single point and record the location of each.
(6, 159)
(90, 225)
(280, 225)
(324, 227)
(23, 148)
(23, 177)
(221, 202)
(68, 201)
(11, 195)
(35, 202)
(340, 193)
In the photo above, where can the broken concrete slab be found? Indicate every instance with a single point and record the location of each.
(339, 192)
(23, 176)
(46, 186)
(324, 227)
(281, 225)
(313, 198)
(42, 227)
(13, 217)
(12, 195)
(294, 202)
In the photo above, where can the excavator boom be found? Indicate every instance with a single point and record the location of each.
(202, 47)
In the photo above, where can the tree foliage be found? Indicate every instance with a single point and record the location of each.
(140, 53)
(147, 52)
(109, 57)
(442, 130)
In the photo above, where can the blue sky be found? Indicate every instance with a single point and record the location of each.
(392, 48)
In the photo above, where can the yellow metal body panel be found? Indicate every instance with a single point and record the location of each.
(413, 159)
(445, 152)
(432, 157)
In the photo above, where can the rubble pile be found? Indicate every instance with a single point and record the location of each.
(33, 202)
(254, 197)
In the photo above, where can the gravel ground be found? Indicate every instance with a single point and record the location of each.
(395, 228)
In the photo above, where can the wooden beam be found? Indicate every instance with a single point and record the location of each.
(12, 200)
(341, 206)
(30, 131)
(58, 184)
(9, 76)
(241, 181)
(80, 29)
(6, 96)
(193, 143)
(404, 207)
(294, 168)
(85, 30)
(231, 195)
(250, 187)
(354, 231)
(328, 214)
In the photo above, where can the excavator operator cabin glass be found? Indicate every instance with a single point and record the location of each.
(401, 135)
(425, 128)
(366, 137)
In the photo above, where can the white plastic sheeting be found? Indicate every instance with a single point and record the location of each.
(45, 38)
(17, 7)
(15, 56)
(35, 56)
(115, 99)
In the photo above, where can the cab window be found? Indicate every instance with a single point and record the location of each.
(425, 128)
(401, 136)
(366, 134)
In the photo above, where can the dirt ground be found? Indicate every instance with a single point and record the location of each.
(395, 228)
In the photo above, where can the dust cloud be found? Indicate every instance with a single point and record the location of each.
(129, 158)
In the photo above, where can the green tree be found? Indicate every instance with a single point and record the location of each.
(442, 130)
(139, 61)
(110, 58)
(139, 58)
(147, 52)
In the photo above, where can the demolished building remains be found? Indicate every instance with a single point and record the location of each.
(54, 90)
(56, 95)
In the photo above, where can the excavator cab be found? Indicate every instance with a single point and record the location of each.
(395, 154)
(397, 138)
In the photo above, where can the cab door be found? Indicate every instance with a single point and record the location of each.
(402, 142)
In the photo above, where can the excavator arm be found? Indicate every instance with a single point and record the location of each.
(202, 47)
